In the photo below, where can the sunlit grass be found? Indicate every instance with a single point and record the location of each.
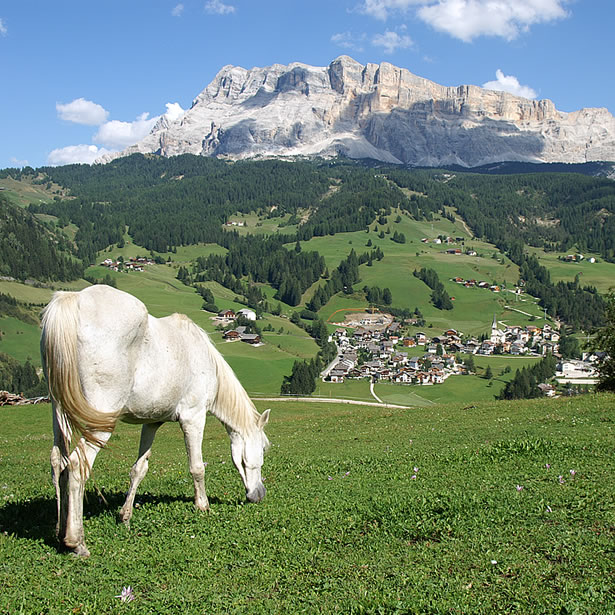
(483, 508)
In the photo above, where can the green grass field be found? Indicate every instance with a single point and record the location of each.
(20, 340)
(598, 274)
(24, 192)
(494, 508)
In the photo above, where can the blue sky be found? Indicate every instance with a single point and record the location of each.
(81, 77)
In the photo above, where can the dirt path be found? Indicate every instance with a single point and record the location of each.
(335, 401)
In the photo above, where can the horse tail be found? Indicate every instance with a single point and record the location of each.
(232, 404)
(60, 322)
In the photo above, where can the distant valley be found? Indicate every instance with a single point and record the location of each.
(303, 241)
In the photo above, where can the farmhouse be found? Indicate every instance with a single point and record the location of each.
(251, 338)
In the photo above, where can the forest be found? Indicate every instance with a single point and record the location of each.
(164, 203)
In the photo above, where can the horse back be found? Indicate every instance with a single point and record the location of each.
(174, 372)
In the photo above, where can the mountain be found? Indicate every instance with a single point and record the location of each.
(375, 111)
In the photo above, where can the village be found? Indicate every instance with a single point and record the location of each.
(374, 350)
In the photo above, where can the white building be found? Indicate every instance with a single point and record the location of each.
(246, 313)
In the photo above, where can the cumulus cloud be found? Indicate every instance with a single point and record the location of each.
(468, 19)
(178, 10)
(113, 136)
(119, 135)
(174, 111)
(82, 111)
(18, 162)
(74, 154)
(392, 41)
(217, 7)
(510, 84)
(3, 30)
(381, 9)
(348, 40)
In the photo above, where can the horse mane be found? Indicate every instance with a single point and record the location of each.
(232, 405)
(60, 322)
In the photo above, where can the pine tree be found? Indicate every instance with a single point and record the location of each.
(605, 341)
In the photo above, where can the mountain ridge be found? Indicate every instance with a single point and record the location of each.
(377, 111)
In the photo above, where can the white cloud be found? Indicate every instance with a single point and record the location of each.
(217, 7)
(381, 9)
(174, 111)
(178, 10)
(348, 40)
(18, 163)
(82, 111)
(118, 135)
(510, 84)
(392, 41)
(112, 136)
(73, 154)
(3, 30)
(468, 19)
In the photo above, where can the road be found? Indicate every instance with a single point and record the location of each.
(330, 400)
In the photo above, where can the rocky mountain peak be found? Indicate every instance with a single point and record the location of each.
(376, 111)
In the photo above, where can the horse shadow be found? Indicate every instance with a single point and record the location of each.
(35, 519)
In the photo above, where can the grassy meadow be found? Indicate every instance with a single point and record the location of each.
(488, 508)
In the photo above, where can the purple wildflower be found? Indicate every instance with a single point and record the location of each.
(519, 487)
(573, 472)
(561, 479)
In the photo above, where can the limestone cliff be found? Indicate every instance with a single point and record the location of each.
(375, 111)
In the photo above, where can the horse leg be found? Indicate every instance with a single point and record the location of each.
(59, 460)
(139, 469)
(193, 437)
(78, 471)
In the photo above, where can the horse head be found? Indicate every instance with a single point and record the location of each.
(247, 451)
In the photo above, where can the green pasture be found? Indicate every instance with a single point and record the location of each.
(20, 340)
(356, 390)
(493, 507)
(458, 388)
(600, 274)
(474, 307)
(38, 295)
(24, 192)
(261, 225)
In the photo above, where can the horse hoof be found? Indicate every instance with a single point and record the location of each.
(80, 551)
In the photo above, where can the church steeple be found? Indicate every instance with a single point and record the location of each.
(494, 325)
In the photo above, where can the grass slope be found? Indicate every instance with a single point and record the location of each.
(369, 510)
(472, 314)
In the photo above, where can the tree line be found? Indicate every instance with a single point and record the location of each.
(439, 297)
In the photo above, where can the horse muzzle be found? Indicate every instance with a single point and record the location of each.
(256, 495)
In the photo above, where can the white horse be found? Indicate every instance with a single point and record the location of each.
(106, 359)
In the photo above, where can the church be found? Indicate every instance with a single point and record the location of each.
(498, 336)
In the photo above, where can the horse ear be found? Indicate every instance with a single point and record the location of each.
(264, 418)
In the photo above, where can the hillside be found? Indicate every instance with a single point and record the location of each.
(272, 235)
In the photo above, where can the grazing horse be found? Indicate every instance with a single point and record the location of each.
(106, 359)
